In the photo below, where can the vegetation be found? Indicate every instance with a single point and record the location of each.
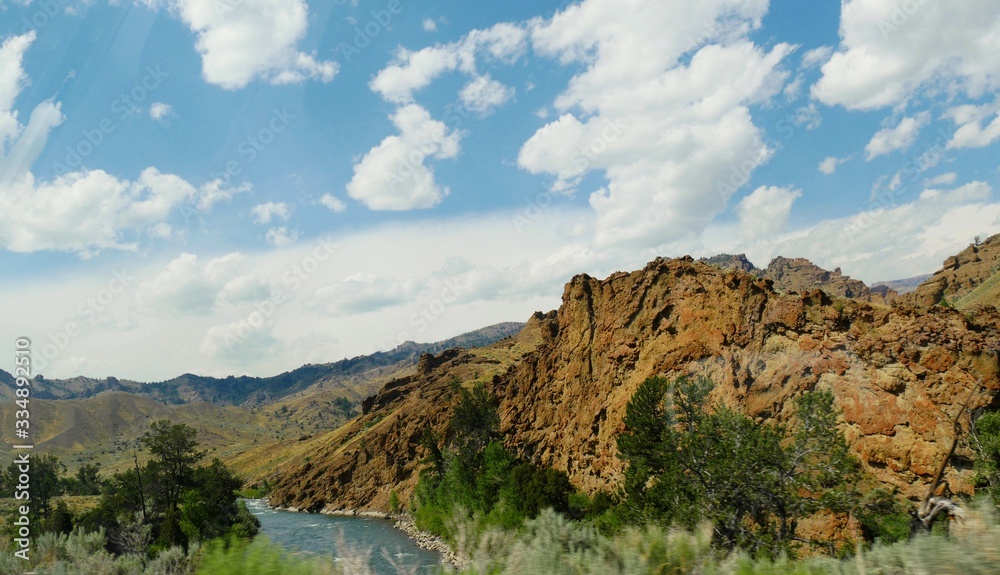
(475, 475)
(985, 439)
(144, 515)
(689, 462)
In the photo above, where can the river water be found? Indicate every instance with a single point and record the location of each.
(317, 534)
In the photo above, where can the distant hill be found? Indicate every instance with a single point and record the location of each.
(904, 286)
(84, 419)
(258, 391)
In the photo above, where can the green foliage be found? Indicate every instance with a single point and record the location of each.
(883, 518)
(986, 441)
(175, 452)
(394, 505)
(260, 557)
(477, 476)
(87, 481)
(690, 462)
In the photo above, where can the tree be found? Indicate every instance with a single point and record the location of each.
(475, 421)
(689, 461)
(175, 453)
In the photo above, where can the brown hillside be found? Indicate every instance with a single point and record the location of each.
(968, 280)
(897, 373)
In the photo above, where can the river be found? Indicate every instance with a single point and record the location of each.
(317, 534)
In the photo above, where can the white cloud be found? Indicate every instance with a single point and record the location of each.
(765, 212)
(281, 237)
(886, 243)
(429, 25)
(162, 230)
(188, 287)
(484, 94)
(829, 164)
(412, 71)
(816, 56)
(942, 180)
(240, 341)
(217, 191)
(12, 80)
(673, 136)
(363, 293)
(970, 119)
(393, 176)
(900, 137)
(253, 39)
(887, 55)
(264, 213)
(333, 203)
(159, 110)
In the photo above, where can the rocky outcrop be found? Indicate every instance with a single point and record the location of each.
(800, 275)
(898, 374)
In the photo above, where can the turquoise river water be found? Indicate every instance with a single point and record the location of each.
(315, 534)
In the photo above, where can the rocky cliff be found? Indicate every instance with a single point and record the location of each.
(968, 280)
(898, 374)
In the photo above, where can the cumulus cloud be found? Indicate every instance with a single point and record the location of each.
(970, 119)
(242, 340)
(393, 175)
(333, 203)
(264, 213)
(83, 211)
(765, 211)
(662, 108)
(413, 70)
(159, 110)
(889, 52)
(899, 137)
(253, 39)
(484, 94)
(829, 164)
(429, 25)
(189, 287)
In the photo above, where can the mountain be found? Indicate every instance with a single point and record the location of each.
(257, 391)
(898, 374)
(84, 419)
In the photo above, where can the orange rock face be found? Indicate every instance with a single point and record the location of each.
(898, 374)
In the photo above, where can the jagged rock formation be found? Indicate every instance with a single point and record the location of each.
(898, 374)
(800, 275)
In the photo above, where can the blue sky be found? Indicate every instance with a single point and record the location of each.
(242, 186)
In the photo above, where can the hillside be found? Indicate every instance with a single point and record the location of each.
(904, 286)
(87, 419)
(897, 373)
(968, 280)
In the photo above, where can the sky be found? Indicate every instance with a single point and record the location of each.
(244, 186)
